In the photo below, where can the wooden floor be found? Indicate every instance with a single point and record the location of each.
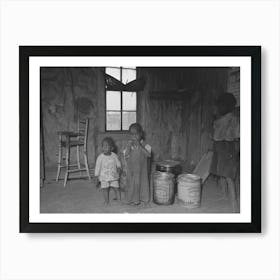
(80, 196)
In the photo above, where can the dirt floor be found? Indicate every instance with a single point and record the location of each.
(81, 196)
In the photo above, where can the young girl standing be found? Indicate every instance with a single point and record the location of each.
(107, 169)
(137, 154)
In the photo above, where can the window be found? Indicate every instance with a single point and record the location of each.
(120, 105)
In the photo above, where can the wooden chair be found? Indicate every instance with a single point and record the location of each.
(68, 140)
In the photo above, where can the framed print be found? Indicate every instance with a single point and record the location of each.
(140, 139)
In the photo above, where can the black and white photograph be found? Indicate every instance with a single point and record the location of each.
(132, 139)
(139, 135)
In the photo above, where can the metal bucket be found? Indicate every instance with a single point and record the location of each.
(164, 183)
(189, 190)
(171, 166)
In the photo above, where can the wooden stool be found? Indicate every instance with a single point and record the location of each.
(68, 140)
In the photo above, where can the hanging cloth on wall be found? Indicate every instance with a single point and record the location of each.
(114, 84)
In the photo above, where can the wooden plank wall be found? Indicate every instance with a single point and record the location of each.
(233, 85)
(176, 128)
(180, 129)
(66, 93)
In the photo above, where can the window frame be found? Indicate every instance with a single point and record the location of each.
(121, 100)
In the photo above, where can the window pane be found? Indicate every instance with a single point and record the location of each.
(113, 121)
(114, 72)
(128, 75)
(128, 119)
(129, 101)
(113, 100)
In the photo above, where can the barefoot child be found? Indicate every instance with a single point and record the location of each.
(107, 169)
(136, 155)
(226, 139)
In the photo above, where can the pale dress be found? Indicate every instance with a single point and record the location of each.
(106, 168)
(227, 128)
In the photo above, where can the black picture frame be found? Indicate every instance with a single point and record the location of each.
(25, 52)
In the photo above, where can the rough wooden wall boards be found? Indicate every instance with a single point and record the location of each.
(175, 128)
(180, 128)
(67, 93)
(233, 85)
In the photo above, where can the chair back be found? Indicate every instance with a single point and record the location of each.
(83, 131)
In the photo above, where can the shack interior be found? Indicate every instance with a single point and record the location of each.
(173, 105)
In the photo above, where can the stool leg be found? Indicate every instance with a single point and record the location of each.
(78, 159)
(67, 164)
(86, 164)
(59, 159)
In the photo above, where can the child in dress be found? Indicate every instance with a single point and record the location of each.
(107, 169)
(137, 154)
(226, 141)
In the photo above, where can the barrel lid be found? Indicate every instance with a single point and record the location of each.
(163, 174)
(168, 163)
(188, 177)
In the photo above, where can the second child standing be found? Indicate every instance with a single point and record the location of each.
(136, 154)
(107, 169)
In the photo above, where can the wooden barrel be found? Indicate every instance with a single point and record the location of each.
(189, 190)
(163, 185)
(171, 166)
